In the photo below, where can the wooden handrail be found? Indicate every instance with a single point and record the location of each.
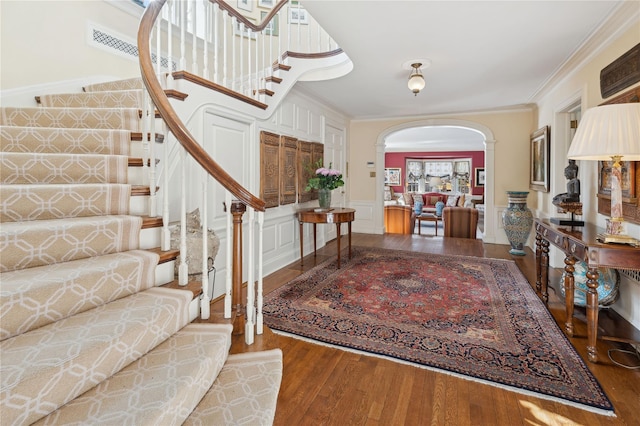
(255, 27)
(170, 116)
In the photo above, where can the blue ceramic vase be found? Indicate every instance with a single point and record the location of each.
(517, 220)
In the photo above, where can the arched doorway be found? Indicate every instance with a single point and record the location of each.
(489, 159)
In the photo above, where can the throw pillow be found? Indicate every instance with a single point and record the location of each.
(417, 198)
(433, 200)
(452, 200)
(461, 201)
(408, 200)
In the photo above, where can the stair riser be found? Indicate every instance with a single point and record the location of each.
(72, 118)
(92, 282)
(119, 99)
(37, 243)
(27, 168)
(45, 202)
(69, 141)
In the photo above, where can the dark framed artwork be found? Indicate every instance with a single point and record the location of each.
(539, 155)
(479, 176)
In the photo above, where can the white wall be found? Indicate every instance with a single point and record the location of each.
(581, 86)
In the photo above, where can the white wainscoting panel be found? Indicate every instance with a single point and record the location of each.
(364, 221)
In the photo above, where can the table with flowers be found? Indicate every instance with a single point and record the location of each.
(315, 216)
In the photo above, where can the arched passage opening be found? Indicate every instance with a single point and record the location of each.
(489, 159)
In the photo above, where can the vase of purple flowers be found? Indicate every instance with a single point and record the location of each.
(325, 180)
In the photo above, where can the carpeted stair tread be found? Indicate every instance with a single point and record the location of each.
(34, 297)
(45, 368)
(35, 168)
(126, 84)
(44, 242)
(72, 118)
(161, 388)
(61, 140)
(58, 201)
(105, 99)
(244, 393)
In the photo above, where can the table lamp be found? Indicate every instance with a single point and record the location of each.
(610, 132)
(435, 183)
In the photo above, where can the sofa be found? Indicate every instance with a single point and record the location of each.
(429, 200)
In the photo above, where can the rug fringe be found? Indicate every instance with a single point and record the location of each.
(608, 413)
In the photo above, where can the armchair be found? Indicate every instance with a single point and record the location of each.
(460, 222)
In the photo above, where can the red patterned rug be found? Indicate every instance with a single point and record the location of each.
(473, 317)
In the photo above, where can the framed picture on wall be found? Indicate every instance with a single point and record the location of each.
(479, 176)
(539, 167)
(392, 176)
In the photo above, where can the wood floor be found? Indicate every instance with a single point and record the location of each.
(327, 386)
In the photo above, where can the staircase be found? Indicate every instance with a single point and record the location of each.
(89, 333)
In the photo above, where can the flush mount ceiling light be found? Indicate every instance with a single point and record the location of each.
(416, 81)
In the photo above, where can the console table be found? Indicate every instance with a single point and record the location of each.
(337, 216)
(580, 243)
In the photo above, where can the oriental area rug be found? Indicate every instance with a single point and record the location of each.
(475, 318)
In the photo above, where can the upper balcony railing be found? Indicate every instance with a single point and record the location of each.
(235, 48)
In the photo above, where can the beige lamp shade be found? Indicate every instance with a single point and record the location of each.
(606, 131)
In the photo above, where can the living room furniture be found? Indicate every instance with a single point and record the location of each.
(427, 217)
(336, 215)
(460, 222)
(580, 243)
(399, 219)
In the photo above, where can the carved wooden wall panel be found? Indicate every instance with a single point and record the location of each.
(304, 160)
(288, 169)
(318, 154)
(270, 168)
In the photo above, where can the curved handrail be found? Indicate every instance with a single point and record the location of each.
(170, 116)
(254, 27)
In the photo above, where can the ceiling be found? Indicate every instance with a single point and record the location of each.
(485, 55)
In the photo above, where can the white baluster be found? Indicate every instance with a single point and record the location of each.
(183, 36)
(166, 234)
(145, 140)
(225, 83)
(183, 269)
(205, 301)
(194, 38)
(249, 325)
(170, 13)
(234, 22)
(229, 280)
(153, 196)
(259, 301)
(214, 36)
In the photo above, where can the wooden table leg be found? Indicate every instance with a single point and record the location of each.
(301, 245)
(338, 238)
(436, 226)
(538, 259)
(592, 314)
(315, 243)
(569, 286)
(419, 226)
(349, 226)
(544, 271)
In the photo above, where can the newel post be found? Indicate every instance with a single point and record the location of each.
(237, 210)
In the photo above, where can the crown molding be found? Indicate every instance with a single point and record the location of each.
(620, 20)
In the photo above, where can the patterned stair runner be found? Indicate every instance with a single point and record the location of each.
(86, 336)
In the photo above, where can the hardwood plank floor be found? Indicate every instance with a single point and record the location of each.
(326, 386)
